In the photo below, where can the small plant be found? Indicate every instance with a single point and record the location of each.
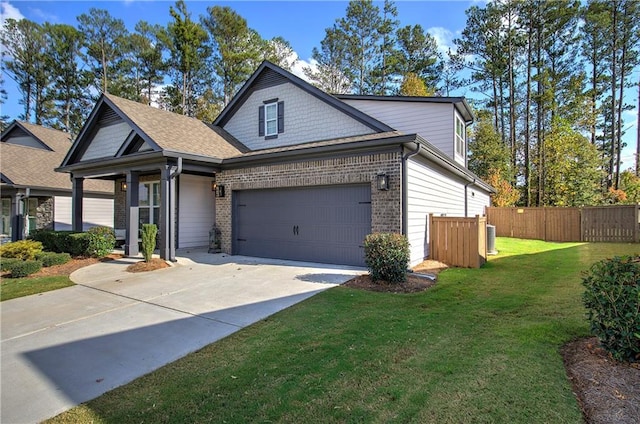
(22, 269)
(102, 240)
(77, 244)
(387, 256)
(22, 249)
(149, 232)
(7, 263)
(612, 299)
(51, 258)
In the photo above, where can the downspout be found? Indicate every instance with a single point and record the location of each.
(466, 198)
(405, 183)
(172, 211)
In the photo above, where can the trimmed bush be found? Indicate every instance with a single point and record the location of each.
(149, 232)
(22, 269)
(6, 263)
(77, 244)
(102, 240)
(57, 241)
(51, 258)
(612, 299)
(22, 249)
(387, 256)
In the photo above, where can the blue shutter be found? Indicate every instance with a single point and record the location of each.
(261, 121)
(280, 117)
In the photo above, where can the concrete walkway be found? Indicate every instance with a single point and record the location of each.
(68, 346)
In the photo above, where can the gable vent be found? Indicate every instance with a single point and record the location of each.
(108, 117)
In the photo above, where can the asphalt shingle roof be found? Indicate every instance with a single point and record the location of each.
(34, 167)
(179, 133)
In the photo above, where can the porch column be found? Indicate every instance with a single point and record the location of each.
(17, 218)
(77, 193)
(167, 214)
(132, 215)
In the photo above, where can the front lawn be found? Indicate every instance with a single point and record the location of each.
(11, 288)
(481, 346)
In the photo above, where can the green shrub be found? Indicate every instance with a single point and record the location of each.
(24, 268)
(387, 256)
(612, 299)
(102, 240)
(52, 258)
(58, 241)
(6, 263)
(22, 249)
(77, 244)
(149, 232)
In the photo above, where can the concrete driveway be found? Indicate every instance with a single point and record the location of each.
(68, 346)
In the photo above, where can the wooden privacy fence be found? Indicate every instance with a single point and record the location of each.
(594, 224)
(458, 241)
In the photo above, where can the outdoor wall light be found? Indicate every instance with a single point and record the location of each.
(220, 191)
(123, 186)
(214, 186)
(382, 181)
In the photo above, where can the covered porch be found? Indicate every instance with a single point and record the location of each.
(173, 192)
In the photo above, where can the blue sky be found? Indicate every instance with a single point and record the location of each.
(302, 23)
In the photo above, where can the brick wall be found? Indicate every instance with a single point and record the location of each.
(385, 205)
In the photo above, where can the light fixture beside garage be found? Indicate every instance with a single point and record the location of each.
(220, 191)
(382, 181)
(123, 186)
(214, 186)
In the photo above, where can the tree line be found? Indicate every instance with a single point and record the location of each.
(552, 78)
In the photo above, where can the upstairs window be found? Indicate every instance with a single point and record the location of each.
(460, 137)
(271, 119)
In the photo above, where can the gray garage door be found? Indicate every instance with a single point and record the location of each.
(317, 224)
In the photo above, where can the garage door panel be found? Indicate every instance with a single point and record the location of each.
(320, 224)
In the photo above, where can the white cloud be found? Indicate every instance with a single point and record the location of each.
(8, 11)
(42, 15)
(300, 64)
(444, 38)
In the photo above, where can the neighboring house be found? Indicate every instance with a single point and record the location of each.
(34, 196)
(286, 170)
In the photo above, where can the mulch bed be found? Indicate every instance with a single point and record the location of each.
(143, 266)
(66, 269)
(414, 283)
(608, 391)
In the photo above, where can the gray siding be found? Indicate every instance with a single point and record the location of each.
(306, 119)
(196, 211)
(432, 190)
(107, 140)
(26, 140)
(95, 212)
(433, 121)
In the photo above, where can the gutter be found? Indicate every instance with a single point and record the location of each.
(405, 184)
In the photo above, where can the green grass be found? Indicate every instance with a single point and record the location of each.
(481, 346)
(11, 288)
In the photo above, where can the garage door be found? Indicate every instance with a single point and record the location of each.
(317, 224)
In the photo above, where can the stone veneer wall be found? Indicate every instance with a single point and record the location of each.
(44, 213)
(386, 213)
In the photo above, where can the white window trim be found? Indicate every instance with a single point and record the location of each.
(459, 149)
(151, 206)
(273, 105)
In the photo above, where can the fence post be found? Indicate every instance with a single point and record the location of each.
(635, 225)
(430, 229)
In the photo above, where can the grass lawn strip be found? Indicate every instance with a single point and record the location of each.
(11, 288)
(481, 346)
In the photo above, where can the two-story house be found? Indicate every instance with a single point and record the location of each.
(34, 196)
(285, 171)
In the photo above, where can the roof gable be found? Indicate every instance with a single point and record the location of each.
(268, 75)
(36, 136)
(142, 128)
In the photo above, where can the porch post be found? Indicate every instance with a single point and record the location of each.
(167, 214)
(77, 193)
(16, 217)
(132, 216)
